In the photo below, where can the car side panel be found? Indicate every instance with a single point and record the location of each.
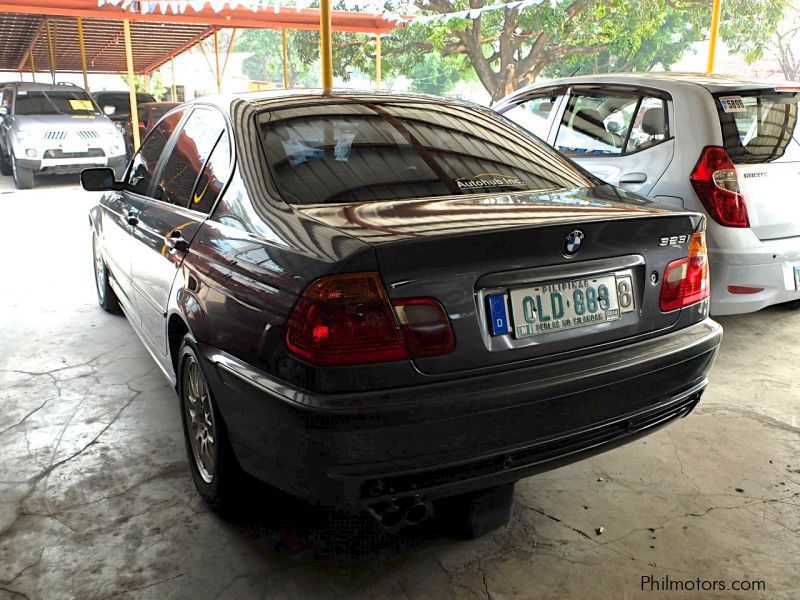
(154, 263)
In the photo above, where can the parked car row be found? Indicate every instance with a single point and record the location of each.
(60, 129)
(399, 304)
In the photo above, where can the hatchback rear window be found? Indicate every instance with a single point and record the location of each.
(360, 151)
(759, 127)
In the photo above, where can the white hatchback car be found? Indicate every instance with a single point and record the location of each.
(725, 147)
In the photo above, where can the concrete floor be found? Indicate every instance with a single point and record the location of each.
(96, 499)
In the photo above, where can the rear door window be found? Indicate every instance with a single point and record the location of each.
(759, 126)
(611, 123)
(214, 176)
(188, 156)
(535, 114)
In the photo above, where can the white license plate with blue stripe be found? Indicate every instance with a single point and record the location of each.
(562, 305)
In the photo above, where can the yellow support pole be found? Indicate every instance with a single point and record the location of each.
(216, 59)
(377, 61)
(82, 45)
(51, 48)
(712, 46)
(228, 53)
(325, 44)
(174, 87)
(285, 60)
(33, 65)
(126, 28)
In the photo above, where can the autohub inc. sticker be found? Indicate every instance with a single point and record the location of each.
(486, 181)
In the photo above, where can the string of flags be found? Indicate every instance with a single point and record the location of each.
(375, 6)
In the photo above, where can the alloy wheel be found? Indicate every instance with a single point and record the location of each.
(200, 423)
(99, 271)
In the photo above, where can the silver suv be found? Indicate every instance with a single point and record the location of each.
(54, 129)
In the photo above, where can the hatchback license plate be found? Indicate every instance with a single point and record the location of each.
(552, 307)
(797, 278)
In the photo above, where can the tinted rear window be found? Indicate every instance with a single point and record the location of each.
(360, 151)
(122, 102)
(759, 127)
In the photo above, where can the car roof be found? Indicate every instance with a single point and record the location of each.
(264, 98)
(671, 80)
(45, 87)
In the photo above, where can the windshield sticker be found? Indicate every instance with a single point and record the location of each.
(488, 180)
(81, 104)
(732, 104)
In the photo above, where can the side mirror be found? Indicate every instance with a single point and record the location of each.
(614, 127)
(109, 110)
(100, 179)
(3, 111)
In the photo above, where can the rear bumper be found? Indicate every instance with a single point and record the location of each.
(450, 437)
(769, 266)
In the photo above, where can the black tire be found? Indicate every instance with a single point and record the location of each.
(472, 515)
(106, 297)
(215, 470)
(23, 178)
(5, 165)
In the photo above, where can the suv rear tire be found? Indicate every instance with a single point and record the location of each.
(23, 178)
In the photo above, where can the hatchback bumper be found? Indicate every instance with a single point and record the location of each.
(450, 437)
(770, 266)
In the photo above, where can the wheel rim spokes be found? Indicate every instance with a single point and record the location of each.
(200, 421)
(99, 271)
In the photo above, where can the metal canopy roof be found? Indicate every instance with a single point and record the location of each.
(156, 37)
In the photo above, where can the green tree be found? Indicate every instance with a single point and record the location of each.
(436, 74)
(152, 84)
(510, 47)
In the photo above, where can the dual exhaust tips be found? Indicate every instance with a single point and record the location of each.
(394, 514)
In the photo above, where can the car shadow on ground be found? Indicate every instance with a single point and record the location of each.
(285, 526)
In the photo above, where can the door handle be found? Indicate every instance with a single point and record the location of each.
(175, 241)
(633, 178)
(130, 217)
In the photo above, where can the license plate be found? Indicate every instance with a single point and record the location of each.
(74, 146)
(797, 278)
(552, 307)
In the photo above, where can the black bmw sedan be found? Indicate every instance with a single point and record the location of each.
(396, 303)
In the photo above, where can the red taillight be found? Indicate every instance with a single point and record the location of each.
(715, 181)
(347, 319)
(425, 326)
(686, 280)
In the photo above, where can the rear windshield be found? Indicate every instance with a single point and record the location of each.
(54, 103)
(759, 127)
(360, 151)
(122, 102)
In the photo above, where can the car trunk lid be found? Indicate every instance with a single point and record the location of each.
(463, 250)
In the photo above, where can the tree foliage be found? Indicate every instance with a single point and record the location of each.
(510, 47)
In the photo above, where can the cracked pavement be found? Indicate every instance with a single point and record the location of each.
(96, 500)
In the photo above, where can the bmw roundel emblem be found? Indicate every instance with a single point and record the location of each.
(573, 242)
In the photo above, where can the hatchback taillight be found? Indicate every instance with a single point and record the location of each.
(347, 319)
(685, 280)
(715, 181)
